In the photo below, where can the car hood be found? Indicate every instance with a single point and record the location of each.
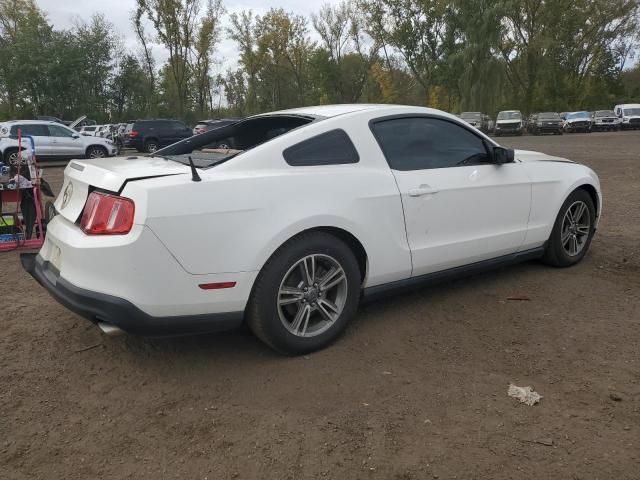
(500, 122)
(572, 120)
(531, 156)
(109, 174)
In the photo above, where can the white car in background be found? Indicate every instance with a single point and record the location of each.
(508, 122)
(89, 130)
(52, 140)
(310, 210)
(629, 115)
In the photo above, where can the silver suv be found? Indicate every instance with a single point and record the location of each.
(52, 140)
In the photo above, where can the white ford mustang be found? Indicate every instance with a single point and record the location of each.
(307, 211)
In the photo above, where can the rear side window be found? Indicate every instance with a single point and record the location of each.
(330, 148)
(422, 143)
(178, 126)
(30, 129)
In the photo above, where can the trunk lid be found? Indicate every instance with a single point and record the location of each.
(109, 175)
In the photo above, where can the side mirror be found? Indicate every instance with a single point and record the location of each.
(503, 155)
(75, 135)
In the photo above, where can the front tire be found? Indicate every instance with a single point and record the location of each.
(97, 152)
(306, 294)
(572, 231)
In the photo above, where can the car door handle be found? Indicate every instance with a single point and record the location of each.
(422, 190)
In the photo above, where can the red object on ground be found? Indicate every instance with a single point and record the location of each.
(13, 196)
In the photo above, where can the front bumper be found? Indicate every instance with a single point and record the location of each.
(549, 128)
(97, 306)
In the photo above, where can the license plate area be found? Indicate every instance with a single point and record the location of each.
(56, 256)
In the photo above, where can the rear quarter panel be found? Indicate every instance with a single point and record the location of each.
(242, 211)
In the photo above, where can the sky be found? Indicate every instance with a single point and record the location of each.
(63, 14)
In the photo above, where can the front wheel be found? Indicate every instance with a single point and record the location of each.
(572, 232)
(97, 152)
(305, 294)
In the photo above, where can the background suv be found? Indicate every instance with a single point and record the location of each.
(206, 125)
(604, 120)
(52, 140)
(150, 135)
(545, 122)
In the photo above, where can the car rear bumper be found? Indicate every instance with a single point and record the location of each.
(100, 307)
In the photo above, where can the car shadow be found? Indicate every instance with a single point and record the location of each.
(241, 345)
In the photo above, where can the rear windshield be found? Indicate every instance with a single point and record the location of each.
(470, 115)
(549, 116)
(221, 144)
(509, 116)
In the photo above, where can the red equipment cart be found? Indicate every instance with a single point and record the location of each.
(10, 196)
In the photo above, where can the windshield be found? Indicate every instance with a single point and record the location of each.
(549, 116)
(632, 111)
(470, 115)
(221, 144)
(571, 116)
(509, 116)
(605, 113)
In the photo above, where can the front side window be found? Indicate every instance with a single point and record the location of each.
(57, 131)
(330, 148)
(422, 143)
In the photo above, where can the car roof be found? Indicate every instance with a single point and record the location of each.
(329, 110)
(32, 122)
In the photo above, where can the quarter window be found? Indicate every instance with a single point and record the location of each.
(422, 143)
(330, 148)
(30, 129)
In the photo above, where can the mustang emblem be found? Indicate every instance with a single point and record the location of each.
(66, 196)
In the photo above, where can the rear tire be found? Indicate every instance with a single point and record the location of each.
(11, 156)
(151, 146)
(294, 306)
(572, 231)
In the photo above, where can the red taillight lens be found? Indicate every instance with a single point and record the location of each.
(133, 134)
(106, 214)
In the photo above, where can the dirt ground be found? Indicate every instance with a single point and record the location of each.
(415, 389)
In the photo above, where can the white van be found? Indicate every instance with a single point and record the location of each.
(629, 114)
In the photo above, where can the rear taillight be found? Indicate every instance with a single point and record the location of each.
(133, 134)
(106, 214)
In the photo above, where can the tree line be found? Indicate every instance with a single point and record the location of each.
(456, 55)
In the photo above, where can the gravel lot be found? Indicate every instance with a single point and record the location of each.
(415, 389)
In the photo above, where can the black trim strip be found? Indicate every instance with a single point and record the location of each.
(119, 312)
(387, 289)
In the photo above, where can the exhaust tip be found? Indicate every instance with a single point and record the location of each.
(110, 330)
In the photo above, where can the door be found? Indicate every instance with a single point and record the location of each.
(459, 208)
(178, 131)
(65, 143)
(40, 135)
